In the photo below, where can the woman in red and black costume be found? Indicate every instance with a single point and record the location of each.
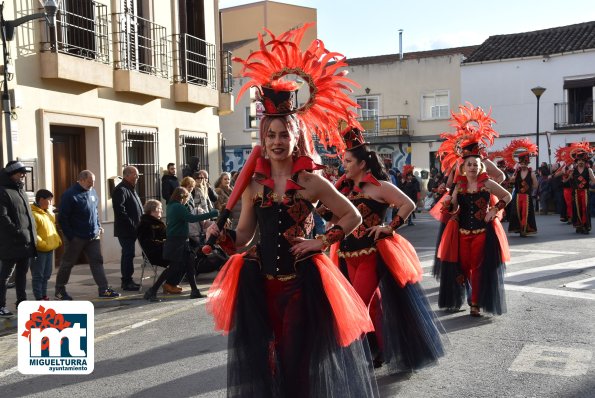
(582, 175)
(376, 257)
(296, 326)
(522, 211)
(473, 248)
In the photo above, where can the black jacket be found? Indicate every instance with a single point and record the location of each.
(151, 237)
(127, 210)
(17, 225)
(168, 184)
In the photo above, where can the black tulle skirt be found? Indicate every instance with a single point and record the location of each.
(311, 363)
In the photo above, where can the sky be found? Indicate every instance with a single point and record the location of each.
(360, 28)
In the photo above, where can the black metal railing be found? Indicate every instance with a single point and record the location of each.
(385, 125)
(82, 30)
(195, 60)
(142, 45)
(226, 72)
(141, 150)
(569, 115)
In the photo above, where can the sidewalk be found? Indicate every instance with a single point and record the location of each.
(81, 286)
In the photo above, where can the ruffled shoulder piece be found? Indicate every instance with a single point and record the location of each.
(368, 178)
(482, 177)
(262, 173)
(305, 163)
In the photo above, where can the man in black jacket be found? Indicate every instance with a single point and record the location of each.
(17, 232)
(169, 182)
(127, 212)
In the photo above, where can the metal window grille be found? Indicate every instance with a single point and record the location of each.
(226, 72)
(194, 146)
(82, 30)
(142, 45)
(141, 150)
(196, 61)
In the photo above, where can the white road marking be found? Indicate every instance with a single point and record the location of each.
(549, 292)
(549, 360)
(583, 284)
(548, 270)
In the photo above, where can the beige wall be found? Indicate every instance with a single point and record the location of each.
(103, 112)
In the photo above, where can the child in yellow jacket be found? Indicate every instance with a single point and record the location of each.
(47, 241)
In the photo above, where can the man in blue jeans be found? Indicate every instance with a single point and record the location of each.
(127, 212)
(79, 220)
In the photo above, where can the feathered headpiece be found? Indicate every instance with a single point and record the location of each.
(408, 169)
(353, 138)
(473, 134)
(522, 149)
(497, 157)
(328, 103)
(575, 151)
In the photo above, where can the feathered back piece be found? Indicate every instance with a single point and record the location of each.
(498, 158)
(522, 149)
(575, 151)
(329, 102)
(473, 134)
(408, 169)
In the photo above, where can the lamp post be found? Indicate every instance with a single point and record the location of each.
(538, 91)
(7, 32)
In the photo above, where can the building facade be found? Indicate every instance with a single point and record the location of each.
(116, 83)
(504, 69)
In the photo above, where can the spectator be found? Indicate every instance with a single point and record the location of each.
(192, 167)
(205, 182)
(223, 190)
(79, 220)
(557, 191)
(177, 248)
(592, 190)
(544, 191)
(169, 182)
(48, 240)
(17, 232)
(127, 212)
(195, 232)
(410, 186)
(151, 234)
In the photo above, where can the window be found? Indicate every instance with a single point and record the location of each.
(368, 111)
(251, 121)
(436, 105)
(141, 151)
(195, 146)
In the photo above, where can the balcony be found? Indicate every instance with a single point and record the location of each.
(573, 115)
(226, 105)
(387, 126)
(195, 76)
(142, 62)
(77, 49)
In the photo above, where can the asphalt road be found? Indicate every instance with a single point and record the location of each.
(543, 346)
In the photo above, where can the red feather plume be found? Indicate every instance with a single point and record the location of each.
(329, 102)
(518, 147)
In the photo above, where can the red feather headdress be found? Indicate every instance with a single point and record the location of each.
(473, 134)
(329, 102)
(408, 169)
(522, 148)
(575, 151)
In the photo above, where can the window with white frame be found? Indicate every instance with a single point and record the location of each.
(251, 121)
(436, 105)
(369, 109)
(195, 146)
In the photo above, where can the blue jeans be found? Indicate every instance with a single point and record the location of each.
(127, 259)
(41, 271)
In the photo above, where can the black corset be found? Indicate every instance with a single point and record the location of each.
(473, 208)
(373, 213)
(279, 223)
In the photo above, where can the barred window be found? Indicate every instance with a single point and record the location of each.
(141, 150)
(194, 146)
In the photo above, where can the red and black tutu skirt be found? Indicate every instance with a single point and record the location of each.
(324, 352)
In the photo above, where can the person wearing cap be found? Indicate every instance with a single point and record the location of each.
(17, 232)
(522, 210)
(582, 176)
(48, 240)
(379, 260)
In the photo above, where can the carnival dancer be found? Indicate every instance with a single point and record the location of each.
(296, 326)
(377, 257)
(522, 211)
(473, 247)
(581, 175)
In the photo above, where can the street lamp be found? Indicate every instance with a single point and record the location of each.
(538, 91)
(7, 32)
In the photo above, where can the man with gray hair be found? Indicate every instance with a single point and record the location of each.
(79, 220)
(127, 212)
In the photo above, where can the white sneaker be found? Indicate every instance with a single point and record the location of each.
(4, 313)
